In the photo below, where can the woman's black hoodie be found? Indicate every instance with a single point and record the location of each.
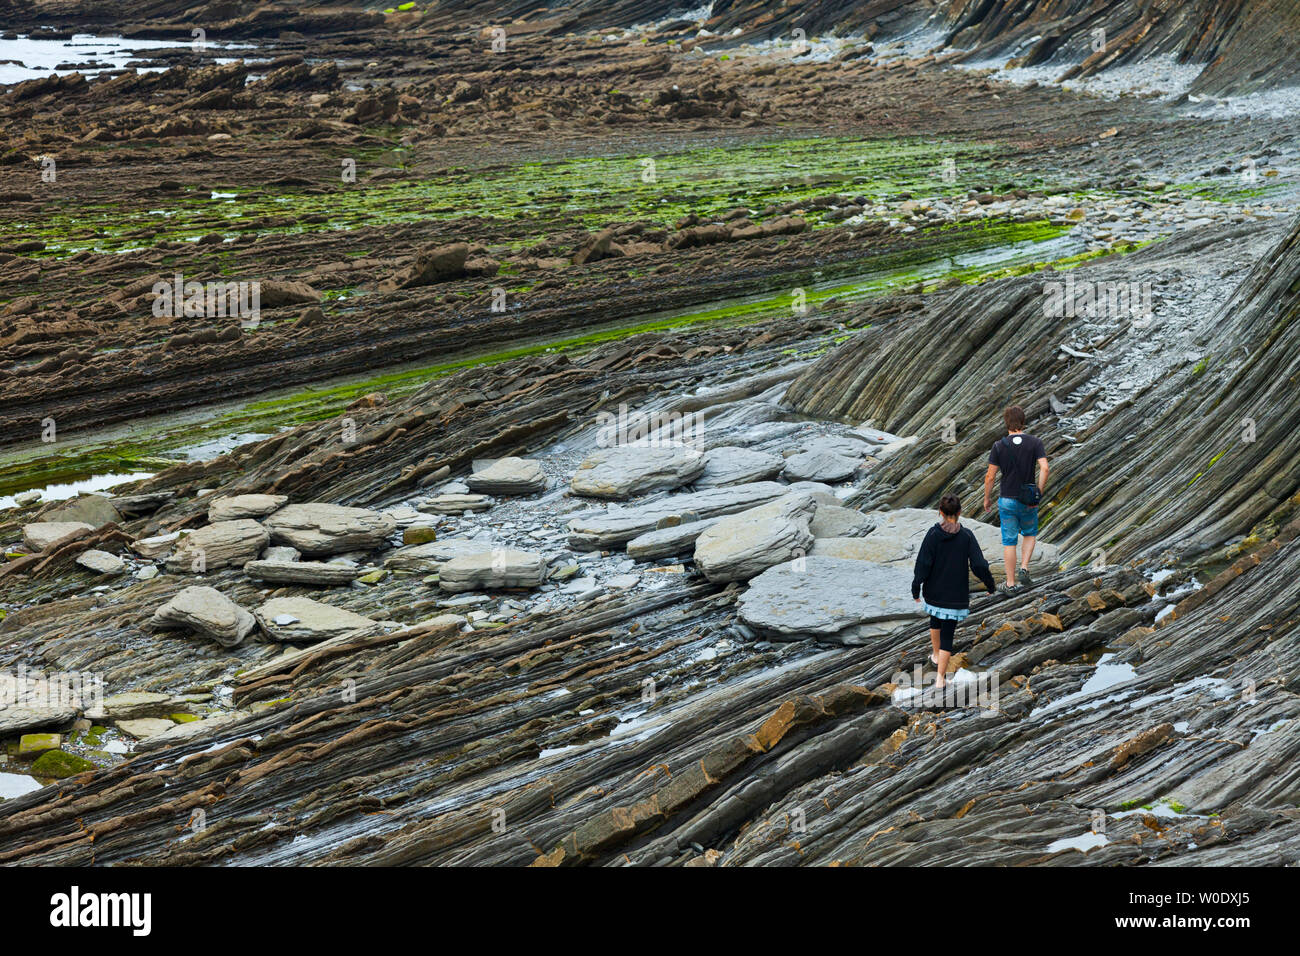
(941, 567)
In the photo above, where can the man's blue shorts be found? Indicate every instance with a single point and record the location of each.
(1016, 519)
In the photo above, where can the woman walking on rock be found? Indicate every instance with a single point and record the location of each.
(949, 554)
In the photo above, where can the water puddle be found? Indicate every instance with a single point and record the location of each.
(61, 491)
(16, 784)
(1109, 673)
(29, 57)
(1083, 843)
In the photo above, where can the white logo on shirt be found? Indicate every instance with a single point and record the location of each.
(1017, 440)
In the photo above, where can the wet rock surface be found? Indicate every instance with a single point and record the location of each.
(700, 648)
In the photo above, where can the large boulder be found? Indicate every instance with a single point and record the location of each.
(498, 568)
(625, 471)
(208, 613)
(94, 510)
(509, 476)
(302, 620)
(245, 506)
(829, 599)
(329, 529)
(39, 535)
(742, 545)
(732, 465)
(221, 545)
(617, 527)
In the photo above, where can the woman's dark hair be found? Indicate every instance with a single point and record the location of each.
(1014, 416)
(950, 505)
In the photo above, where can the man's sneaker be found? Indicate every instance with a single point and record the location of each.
(1022, 577)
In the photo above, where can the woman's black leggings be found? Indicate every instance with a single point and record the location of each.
(946, 629)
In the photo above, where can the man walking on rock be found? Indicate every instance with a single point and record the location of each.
(1015, 455)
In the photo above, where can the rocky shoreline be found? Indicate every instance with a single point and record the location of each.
(624, 577)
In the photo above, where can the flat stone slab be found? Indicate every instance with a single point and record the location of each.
(39, 535)
(156, 546)
(837, 600)
(18, 718)
(302, 572)
(208, 613)
(454, 504)
(222, 545)
(820, 465)
(101, 562)
(95, 510)
(625, 471)
(130, 705)
(299, 619)
(245, 506)
(667, 542)
(733, 465)
(316, 528)
(145, 727)
(615, 528)
(433, 554)
(835, 521)
(194, 729)
(495, 569)
(509, 476)
(742, 545)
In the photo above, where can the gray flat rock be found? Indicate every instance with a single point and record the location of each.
(625, 471)
(494, 569)
(39, 535)
(317, 528)
(245, 506)
(433, 554)
(732, 465)
(742, 545)
(221, 545)
(668, 542)
(831, 599)
(309, 622)
(208, 613)
(613, 529)
(302, 572)
(509, 476)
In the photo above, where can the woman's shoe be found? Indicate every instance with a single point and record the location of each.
(1005, 588)
(1022, 577)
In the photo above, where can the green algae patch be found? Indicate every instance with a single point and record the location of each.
(58, 764)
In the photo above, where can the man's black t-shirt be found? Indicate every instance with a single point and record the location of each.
(1016, 455)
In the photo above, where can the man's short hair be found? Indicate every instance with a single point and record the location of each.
(1014, 416)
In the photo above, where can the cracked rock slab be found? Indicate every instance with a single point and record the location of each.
(830, 599)
(742, 545)
(317, 528)
(625, 471)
